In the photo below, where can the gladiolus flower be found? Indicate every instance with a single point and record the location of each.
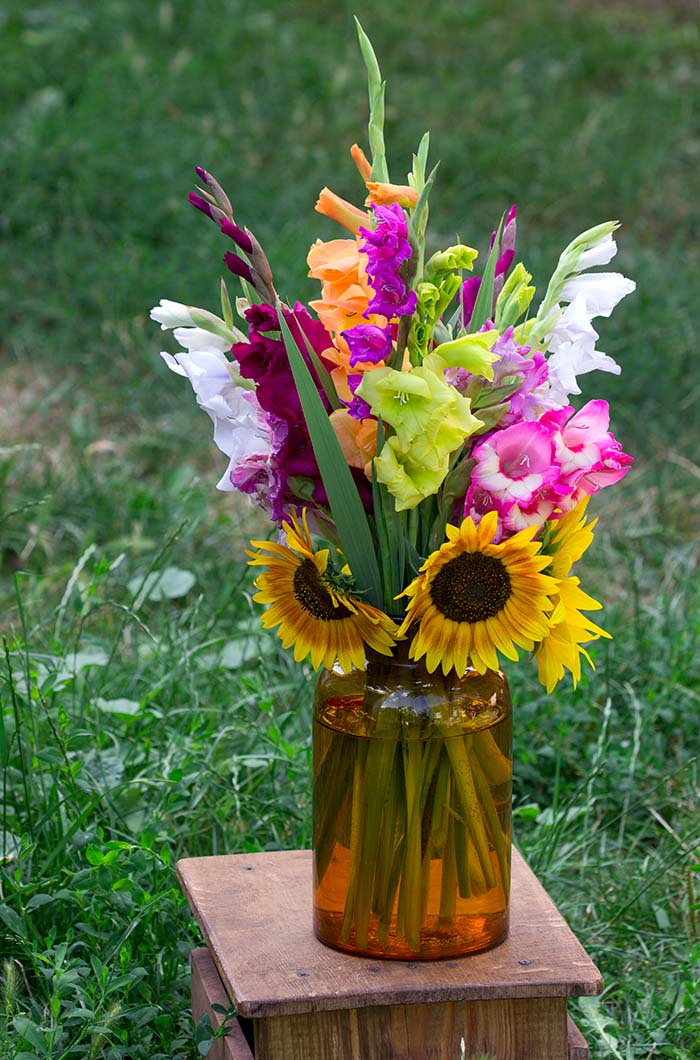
(514, 464)
(367, 342)
(340, 210)
(472, 352)
(387, 248)
(601, 291)
(387, 194)
(590, 457)
(357, 438)
(572, 343)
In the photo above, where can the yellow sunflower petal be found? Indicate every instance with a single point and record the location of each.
(313, 616)
(473, 599)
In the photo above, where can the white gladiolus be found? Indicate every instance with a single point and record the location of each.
(600, 253)
(245, 436)
(572, 345)
(600, 291)
(212, 379)
(171, 314)
(198, 339)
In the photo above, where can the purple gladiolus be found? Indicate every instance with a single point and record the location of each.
(238, 266)
(367, 342)
(504, 262)
(387, 248)
(358, 408)
(467, 294)
(239, 236)
(264, 359)
(507, 255)
(201, 204)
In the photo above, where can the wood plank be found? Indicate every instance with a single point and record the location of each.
(255, 914)
(208, 990)
(503, 1030)
(578, 1046)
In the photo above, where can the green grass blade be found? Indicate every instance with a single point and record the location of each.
(346, 507)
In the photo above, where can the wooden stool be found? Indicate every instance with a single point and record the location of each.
(299, 1000)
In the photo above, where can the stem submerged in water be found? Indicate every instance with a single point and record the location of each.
(412, 831)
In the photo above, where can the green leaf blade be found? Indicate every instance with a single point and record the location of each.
(346, 507)
(484, 299)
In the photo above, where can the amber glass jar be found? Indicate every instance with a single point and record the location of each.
(412, 810)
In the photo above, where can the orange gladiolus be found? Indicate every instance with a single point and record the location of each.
(345, 292)
(358, 439)
(364, 166)
(386, 194)
(347, 215)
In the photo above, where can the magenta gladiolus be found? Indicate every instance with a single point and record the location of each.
(387, 248)
(367, 342)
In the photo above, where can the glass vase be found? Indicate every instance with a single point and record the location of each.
(411, 810)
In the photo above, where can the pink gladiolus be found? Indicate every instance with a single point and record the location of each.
(535, 514)
(589, 455)
(513, 465)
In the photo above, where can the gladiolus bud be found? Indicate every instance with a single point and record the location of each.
(261, 266)
(212, 212)
(238, 266)
(347, 215)
(386, 194)
(364, 166)
(239, 236)
(212, 185)
(457, 257)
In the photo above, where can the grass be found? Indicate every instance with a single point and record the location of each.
(138, 729)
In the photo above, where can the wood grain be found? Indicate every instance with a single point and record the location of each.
(578, 1048)
(255, 914)
(510, 1030)
(504, 1030)
(208, 990)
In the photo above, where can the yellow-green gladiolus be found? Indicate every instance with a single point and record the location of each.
(417, 404)
(472, 352)
(408, 482)
(457, 257)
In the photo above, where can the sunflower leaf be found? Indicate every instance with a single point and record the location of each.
(344, 500)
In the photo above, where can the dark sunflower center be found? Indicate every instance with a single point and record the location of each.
(471, 587)
(313, 595)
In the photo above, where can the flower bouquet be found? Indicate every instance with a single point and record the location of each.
(410, 433)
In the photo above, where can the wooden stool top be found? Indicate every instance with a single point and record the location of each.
(255, 912)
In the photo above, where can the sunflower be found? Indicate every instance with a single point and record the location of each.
(312, 613)
(570, 537)
(562, 648)
(474, 598)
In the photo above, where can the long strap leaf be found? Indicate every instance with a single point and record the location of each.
(345, 504)
(484, 299)
(324, 376)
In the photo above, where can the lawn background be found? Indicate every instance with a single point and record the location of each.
(135, 730)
